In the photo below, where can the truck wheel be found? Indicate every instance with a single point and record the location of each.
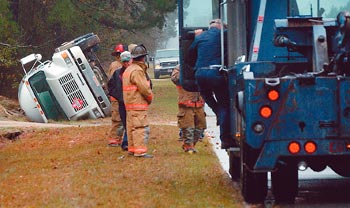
(100, 78)
(285, 183)
(341, 167)
(253, 185)
(156, 75)
(235, 166)
(89, 42)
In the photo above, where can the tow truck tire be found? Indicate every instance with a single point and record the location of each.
(341, 167)
(284, 183)
(253, 185)
(235, 166)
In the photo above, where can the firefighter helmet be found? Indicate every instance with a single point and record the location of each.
(119, 48)
(139, 51)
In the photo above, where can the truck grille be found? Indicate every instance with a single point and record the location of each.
(73, 92)
(169, 64)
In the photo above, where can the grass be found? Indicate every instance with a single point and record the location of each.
(73, 167)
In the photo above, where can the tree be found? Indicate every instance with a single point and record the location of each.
(39, 26)
(8, 32)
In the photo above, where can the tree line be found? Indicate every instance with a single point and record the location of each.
(39, 26)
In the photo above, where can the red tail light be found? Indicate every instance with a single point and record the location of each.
(273, 95)
(294, 147)
(265, 111)
(310, 147)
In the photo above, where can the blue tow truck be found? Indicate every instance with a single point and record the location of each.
(289, 85)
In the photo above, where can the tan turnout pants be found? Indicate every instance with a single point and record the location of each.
(137, 130)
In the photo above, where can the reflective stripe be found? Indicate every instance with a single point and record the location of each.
(140, 150)
(130, 88)
(131, 149)
(136, 106)
(189, 103)
(178, 87)
(111, 98)
(258, 31)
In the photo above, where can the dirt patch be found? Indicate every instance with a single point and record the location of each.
(10, 110)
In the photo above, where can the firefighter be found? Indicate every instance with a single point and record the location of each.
(191, 115)
(118, 49)
(115, 87)
(138, 95)
(117, 128)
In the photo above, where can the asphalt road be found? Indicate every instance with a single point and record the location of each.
(316, 189)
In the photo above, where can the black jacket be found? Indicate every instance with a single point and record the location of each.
(115, 84)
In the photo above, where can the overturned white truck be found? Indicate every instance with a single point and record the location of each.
(71, 86)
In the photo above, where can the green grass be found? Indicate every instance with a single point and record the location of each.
(164, 107)
(73, 167)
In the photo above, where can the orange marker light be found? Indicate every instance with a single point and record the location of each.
(265, 111)
(347, 146)
(64, 55)
(273, 95)
(310, 147)
(294, 147)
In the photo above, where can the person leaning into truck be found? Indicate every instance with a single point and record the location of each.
(191, 115)
(115, 87)
(212, 83)
(138, 95)
(117, 129)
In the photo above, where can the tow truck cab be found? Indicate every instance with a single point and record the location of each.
(289, 96)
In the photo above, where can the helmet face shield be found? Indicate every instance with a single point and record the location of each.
(139, 51)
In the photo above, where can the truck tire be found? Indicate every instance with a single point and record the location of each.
(156, 75)
(341, 167)
(235, 166)
(88, 42)
(253, 185)
(285, 183)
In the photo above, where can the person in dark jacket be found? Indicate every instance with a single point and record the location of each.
(211, 82)
(115, 87)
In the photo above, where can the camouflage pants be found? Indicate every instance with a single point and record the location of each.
(192, 123)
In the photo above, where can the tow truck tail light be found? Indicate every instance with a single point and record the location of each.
(265, 111)
(294, 147)
(310, 147)
(273, 95)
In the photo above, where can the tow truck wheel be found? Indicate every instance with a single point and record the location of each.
(235, 166)
(253, 185)
(285, 183)
(341, 167)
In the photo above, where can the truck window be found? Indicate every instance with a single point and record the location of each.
(45, 97)
(198, 13)
(318, 8)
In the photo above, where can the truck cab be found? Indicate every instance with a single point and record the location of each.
(71, 86)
